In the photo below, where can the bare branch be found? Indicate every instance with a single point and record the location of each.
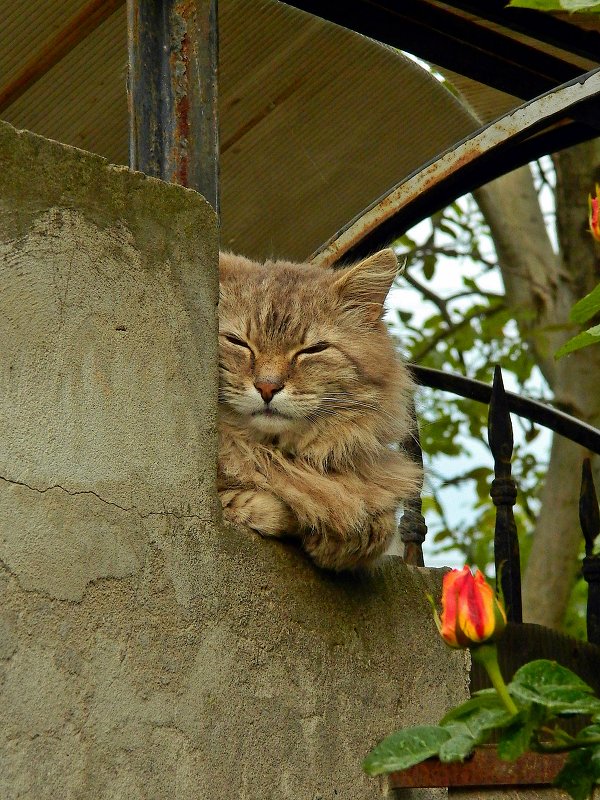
(434, 298)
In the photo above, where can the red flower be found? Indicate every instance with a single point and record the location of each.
(593, 214)
(471, 614)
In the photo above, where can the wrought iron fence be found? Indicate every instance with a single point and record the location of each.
(503, 490)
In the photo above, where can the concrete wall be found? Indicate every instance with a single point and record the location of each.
(146, 651)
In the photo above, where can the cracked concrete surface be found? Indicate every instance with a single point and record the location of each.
(147, 652)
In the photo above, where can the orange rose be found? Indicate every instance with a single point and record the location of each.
(471, 613)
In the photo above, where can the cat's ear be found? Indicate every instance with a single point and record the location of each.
(367, 284)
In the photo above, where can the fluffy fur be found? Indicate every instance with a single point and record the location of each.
(313, 402)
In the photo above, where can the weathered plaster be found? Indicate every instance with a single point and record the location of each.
(146, 650)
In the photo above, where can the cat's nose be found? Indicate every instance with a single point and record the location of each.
(267, 389)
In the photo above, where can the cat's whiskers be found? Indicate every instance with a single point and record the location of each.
(350, 403)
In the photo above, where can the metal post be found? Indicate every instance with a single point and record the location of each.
(412, 524)
(504, 494)
(173, 59)
(589, 517)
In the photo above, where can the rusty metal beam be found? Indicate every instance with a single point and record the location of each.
(68, 37)
(173, 57)
(545, 29)
(471, 163)
(439, 35)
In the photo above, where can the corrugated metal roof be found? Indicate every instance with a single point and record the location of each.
(316, 121)
(81, 101)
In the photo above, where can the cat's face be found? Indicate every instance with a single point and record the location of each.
(299, 345)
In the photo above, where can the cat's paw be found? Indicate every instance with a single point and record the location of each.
(262, 511)
(362, 547)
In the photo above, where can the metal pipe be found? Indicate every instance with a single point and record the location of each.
(173, 58)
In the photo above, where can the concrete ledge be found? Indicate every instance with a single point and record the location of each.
(146, 651)
(107, 330)
(224, 666)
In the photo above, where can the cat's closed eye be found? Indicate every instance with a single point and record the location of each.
(236, 341)
(318, 347)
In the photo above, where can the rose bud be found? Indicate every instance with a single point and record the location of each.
(471, 613)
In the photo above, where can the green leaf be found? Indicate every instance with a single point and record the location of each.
(582, 769)
(583, 339)
(516, 737)
(576, 776)
(591, 730)
(460, 743)
(429, 264)
(554, 687)
(405, 748)
(585, 308)
(481, 713)
(470, 724)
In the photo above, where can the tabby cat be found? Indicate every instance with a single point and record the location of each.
(312, 403)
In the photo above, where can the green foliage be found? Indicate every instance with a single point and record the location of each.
(544, 691)
(582, 311)
(587, 307)
(553, 687)
(580, 774)
(405, 748)
(465, 328)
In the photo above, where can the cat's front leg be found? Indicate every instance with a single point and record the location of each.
(361, 547)
(259, 510)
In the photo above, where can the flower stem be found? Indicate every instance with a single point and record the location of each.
(487, 655)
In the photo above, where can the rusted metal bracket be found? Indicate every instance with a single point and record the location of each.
(173, 57)
(483, 769)
(468, 165)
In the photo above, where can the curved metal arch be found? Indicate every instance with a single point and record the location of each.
(474, 161)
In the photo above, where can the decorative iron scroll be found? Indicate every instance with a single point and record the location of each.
(504, 495)
(503, 490)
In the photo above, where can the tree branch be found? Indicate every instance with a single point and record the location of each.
(434, 298)
(444, 333)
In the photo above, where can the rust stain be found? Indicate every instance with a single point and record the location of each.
(179, 60)
(182, 111)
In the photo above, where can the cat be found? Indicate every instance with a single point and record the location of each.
(313, 401)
